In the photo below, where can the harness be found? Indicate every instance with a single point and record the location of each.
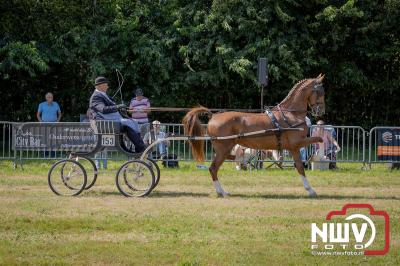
(317, 88)
(277, 126)
(287, 121)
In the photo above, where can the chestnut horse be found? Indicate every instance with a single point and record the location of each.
(290, 113)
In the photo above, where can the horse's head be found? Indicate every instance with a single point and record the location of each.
(316, 96)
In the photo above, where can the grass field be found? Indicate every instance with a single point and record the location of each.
(266, 220)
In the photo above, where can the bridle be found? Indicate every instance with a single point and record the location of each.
(318, 90)
(316, 108)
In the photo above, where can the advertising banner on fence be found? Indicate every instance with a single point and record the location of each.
(389, 144)
(54, 137)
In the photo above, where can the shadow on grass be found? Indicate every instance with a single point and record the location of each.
(172, 194)
(176, 194)
(319, 197)
(154, 194)
(94, 193)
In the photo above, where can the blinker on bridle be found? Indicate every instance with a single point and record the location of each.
(319, 89)
(316, 109)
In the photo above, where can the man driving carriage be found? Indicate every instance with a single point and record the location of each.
(102, 107)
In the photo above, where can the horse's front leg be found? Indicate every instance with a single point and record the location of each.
(308, 141)
(300, 168)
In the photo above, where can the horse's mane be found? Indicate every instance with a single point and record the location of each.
(296, 87)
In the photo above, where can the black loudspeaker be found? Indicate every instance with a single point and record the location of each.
(263, 71)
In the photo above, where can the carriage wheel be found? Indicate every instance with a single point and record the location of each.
(135, 178)
(156, 169)
(67, 178)
(89, 166)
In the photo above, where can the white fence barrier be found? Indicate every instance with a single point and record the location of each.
(6, 136)
(350, 139)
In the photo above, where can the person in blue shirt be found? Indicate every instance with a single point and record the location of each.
(49, 111)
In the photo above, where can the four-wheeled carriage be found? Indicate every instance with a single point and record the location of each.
(136, 177)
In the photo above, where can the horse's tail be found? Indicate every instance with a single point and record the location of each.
(193, 127)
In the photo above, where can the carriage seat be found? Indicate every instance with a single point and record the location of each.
(106, 127)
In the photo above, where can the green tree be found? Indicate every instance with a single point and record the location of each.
(184, 53)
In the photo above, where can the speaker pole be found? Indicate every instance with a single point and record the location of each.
(262, 97)
(262, 77)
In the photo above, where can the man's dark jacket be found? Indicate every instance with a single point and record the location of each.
(100, 104)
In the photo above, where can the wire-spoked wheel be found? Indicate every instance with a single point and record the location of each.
(67, 178)
(90, 168)
(156, 170)
(135, 178)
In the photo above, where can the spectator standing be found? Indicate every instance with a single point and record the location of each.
(138, 103)
(49, 111)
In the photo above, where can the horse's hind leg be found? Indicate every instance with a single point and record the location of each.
(222, 150)
(300, 168)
